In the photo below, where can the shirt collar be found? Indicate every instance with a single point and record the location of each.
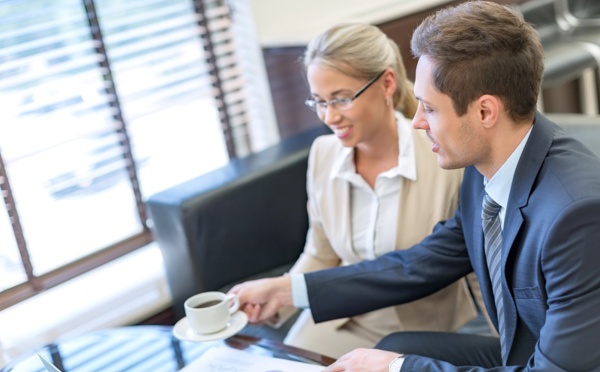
(406, 167)
(498, 188)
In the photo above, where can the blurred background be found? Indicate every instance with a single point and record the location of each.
(104, 103)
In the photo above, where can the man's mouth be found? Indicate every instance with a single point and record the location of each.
(434, 146)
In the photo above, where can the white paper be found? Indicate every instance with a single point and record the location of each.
(223, 359)
(49, 366)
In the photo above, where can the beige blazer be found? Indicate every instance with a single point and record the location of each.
(422, 203)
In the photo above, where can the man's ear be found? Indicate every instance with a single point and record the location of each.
(488, 109)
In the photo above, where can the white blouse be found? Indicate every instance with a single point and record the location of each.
(375, 210)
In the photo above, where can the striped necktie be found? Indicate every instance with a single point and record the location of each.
(492, 232)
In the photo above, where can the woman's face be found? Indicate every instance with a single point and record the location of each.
(367, 113)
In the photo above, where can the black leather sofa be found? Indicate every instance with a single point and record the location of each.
(248, 219)
(245, 219)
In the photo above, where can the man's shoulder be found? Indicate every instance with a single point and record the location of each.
(556, 165)
(573, 165)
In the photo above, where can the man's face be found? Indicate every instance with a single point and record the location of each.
(455, 139)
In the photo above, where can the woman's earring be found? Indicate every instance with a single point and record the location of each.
(388, 101)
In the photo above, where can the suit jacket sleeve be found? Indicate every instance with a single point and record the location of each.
(397, 277)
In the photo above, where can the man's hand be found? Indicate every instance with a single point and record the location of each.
(363, 360)
(261, 299)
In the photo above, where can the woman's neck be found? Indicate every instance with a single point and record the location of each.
(379, 154)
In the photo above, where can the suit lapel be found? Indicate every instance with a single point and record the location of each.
(339, 222)
(346, 216)
(529, 165)
(334, 203)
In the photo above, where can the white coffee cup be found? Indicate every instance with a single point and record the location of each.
(210, 312)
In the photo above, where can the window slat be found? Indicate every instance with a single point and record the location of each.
(85, 91)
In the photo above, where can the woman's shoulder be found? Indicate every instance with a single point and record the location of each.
(326, 154)
(326, 146)
(327, 140)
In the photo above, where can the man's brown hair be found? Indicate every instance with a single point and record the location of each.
(479, 48)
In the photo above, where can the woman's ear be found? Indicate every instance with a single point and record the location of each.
(389, 82)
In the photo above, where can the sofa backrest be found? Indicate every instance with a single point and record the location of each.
(249, 219)
(584, 128)
(239, 221)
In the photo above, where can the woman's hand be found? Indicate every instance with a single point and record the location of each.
(261, 299)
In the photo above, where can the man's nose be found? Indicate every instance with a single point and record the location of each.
(419, 121)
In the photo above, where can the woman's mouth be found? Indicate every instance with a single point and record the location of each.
(342, 132)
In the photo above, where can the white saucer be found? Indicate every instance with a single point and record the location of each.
(184, 332)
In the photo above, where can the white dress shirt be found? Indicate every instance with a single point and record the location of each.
(498, 188)
(375, 210)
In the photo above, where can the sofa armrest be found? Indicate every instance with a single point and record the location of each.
(246, 219)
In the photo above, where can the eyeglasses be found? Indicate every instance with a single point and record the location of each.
(339, 104)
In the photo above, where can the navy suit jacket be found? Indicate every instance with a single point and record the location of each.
(550, 261)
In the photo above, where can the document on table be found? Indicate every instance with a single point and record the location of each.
(222, 359)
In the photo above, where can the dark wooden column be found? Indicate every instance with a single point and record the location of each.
(289, 90)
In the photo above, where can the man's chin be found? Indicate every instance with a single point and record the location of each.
(442, 163)
(447, 164)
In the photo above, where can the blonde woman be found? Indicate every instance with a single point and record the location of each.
(373, 186)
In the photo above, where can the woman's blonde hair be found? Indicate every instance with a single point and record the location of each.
(362, 51)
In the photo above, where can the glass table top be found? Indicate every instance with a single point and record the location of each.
(144, 348)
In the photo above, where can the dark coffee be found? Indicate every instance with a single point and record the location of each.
(207, 304)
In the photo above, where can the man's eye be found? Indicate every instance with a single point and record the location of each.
(427, 109)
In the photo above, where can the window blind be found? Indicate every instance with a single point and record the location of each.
(104, 97)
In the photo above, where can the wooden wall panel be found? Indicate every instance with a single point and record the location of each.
(400, 30)
(288, 85)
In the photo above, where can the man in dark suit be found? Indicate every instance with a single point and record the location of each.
(534, 244)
